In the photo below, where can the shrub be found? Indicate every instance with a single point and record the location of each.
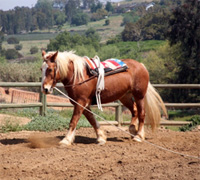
(15, 72)
(18, 47)
(13, 40)
(10, 126)
(80, 19)
(34, 50)
(12, 54)
(109, 51)
(100, 14)
(195, 121)
(107, 22)
(47, 123)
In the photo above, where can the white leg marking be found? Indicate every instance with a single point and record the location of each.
(101, 138)
(140, 136)
(69, 138)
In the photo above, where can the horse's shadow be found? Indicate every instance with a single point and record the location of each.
(13, 141)
(88, 140)
(78, 140)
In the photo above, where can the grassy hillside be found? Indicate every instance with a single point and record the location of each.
(41, 38)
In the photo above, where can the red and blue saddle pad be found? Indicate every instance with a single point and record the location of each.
(110, 65)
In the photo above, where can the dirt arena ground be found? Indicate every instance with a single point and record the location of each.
(36, 155)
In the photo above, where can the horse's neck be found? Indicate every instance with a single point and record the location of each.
(69, 80)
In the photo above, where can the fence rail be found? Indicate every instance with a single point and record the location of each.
(43, 104)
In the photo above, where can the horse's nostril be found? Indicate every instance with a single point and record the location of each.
(46, 90)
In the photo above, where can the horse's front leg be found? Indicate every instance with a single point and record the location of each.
(101, 138)
(70, 136)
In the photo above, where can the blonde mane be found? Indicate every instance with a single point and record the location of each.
(64, 58)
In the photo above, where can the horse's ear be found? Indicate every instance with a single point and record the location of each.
(53, 58)
(43, 53)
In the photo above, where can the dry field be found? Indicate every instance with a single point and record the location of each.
(36, 155)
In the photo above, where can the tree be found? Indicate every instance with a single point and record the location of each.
(66, 41)
(59, 18)
(184, 29)
(100, 14)
(151, 26)
(94, 7)
(1, 40)
(45, 10)
(91, 33)
(80, 19)
(109, 7)
(131, 32)
(88, 3)
(71, 9)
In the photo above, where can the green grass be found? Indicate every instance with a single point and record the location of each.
(59, 120)
(33, 36)
(183, 115)
(27, 45)
(142, 46)
(195, 121)
(9, 126)
(105, 32)
(54, 120)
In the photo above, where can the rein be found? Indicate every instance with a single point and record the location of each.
(92, 77)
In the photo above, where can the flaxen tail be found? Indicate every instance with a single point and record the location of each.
(153, 107)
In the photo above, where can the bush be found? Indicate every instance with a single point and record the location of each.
(80, 19)
(12, 54)
(66, 41)
(195, 121)
(18, 47)
(109, 51)
(15, 72)
(107, 22)
(13, 40)
(100, 14)
(34, 50)
(47, 123)
(10, 126)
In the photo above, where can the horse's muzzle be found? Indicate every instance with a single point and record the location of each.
(47, 90)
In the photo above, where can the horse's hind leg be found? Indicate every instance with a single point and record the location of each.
(128, 102)
(141, 116)
(101, 138)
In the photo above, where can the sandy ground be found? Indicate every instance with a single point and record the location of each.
(36, 155)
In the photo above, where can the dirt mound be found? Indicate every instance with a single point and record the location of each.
(36, 155)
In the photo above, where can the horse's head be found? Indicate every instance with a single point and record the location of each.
(50, 73)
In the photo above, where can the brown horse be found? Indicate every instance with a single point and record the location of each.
(71, 70)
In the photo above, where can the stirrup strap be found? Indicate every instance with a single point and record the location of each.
(100, 81)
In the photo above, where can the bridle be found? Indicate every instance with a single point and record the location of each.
(55, 74)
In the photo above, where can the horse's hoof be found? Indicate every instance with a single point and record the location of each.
(137, 138)
(101, 141)
(133, 129)
(64, 143)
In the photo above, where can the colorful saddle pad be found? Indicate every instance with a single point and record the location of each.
(114, 65)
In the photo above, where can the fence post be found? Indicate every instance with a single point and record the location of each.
(118, 114)
(43, 108)
(43, 100)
